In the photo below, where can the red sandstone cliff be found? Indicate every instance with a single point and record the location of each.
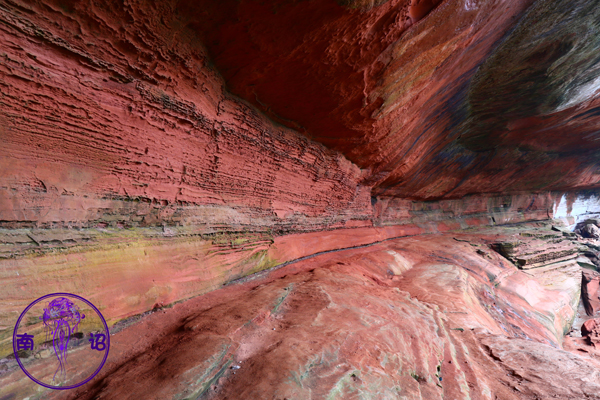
(155, 151)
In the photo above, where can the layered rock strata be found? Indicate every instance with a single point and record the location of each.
(157, 151)
(124, 271)
(476, 96)
(126, 159)
(548, 248)
(426, 317)
(105, 125)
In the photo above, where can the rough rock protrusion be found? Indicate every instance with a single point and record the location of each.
(592, 256)
(589, 291)
(591, 330)
(588, 229)
(547, 248)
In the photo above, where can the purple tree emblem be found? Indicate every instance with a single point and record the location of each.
(61, 319)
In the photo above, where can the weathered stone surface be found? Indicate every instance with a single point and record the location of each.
(155, 151)
(589, 230)
(565, 232)
(94, 138)
(534, 371)
(436, 108)
(146, 266)
(592, 256)
(591, 331)
(590, 292)
(200, 145)
(205, 158)
(586, 262)
(544, 249)
(425, 317)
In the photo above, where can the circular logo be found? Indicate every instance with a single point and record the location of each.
(61, 341)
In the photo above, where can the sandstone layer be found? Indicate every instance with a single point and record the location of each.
(126, 271)
(123, 115)
(343, 183)
(437, 105)
(590, 293)
(426, 317)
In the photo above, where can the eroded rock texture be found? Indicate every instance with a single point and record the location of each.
(590, 292)
(378, 152)
(107, 113)
(123, 102)
(427, 317)
(591, 331)
(436, 108)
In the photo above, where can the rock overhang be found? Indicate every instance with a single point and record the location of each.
(472, 97)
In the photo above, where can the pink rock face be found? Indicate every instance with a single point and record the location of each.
(128, 270)
(104, 121)
(157, 151)
(104, 133)
(425, 317)
(590, 292)
(144, 141)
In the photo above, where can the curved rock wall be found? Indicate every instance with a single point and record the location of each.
(475, 96)
(133, 174)
(98, 126)
(427, 317)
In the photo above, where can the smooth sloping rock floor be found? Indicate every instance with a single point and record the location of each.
(424, 317)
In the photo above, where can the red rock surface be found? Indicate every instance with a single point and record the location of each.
(386, 320)
(590, 292)
(414, 104)
(156, 151)
(92, 135)
(125, 272)
(591, 331)
(117, 115)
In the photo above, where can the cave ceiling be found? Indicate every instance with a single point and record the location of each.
(430, 99)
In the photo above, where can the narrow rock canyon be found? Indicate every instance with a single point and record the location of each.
(300, 199)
